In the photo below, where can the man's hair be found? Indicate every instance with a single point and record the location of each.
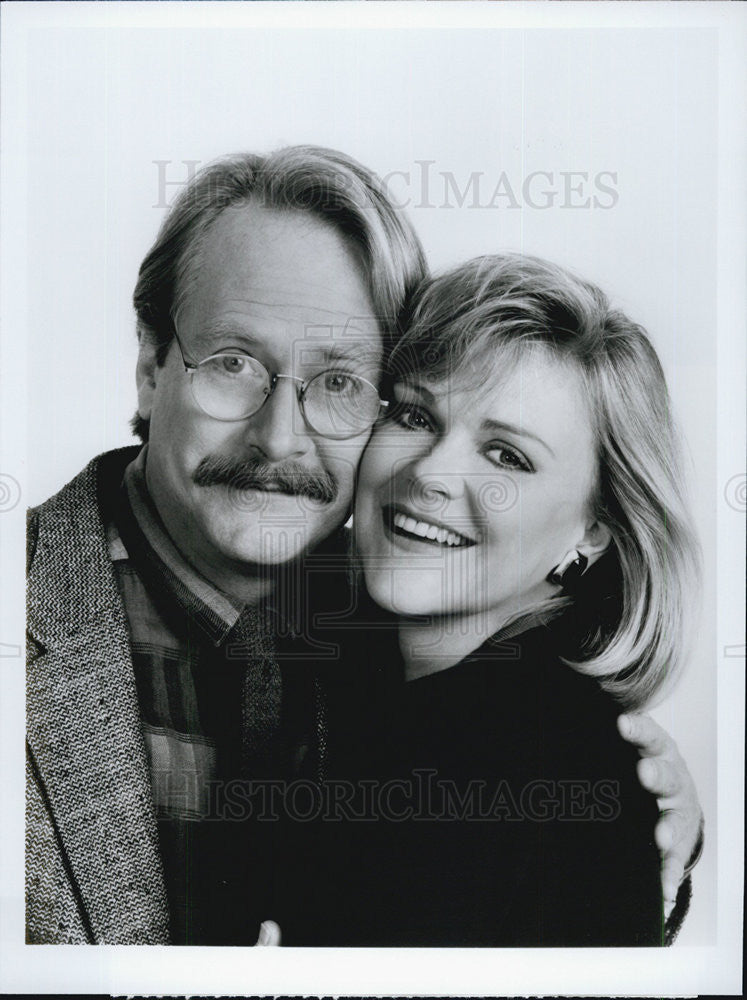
(629, 613)
(323, 182)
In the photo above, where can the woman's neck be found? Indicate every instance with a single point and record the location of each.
(431, 645)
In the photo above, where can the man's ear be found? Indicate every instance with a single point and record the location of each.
(146, 372)
(595, 542)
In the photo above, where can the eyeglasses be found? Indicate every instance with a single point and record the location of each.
(334, 403)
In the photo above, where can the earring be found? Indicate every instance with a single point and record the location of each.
(569, 570)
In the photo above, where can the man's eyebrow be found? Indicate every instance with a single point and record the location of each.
(354, 353)
(309, 351)
(315, 332)
(499, 425)
(227, 328)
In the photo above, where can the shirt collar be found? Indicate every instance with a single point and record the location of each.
(525, 623)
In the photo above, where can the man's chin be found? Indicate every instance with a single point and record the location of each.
(259, 528)
(273, 544)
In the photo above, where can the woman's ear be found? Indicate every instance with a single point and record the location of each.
(595, 542)
(146, 372)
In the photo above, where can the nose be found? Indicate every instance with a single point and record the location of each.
(278, 429)
(435, 474)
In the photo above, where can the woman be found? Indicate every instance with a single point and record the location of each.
(519, 511)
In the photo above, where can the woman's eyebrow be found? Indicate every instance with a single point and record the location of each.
(499, 425)
(417, 387)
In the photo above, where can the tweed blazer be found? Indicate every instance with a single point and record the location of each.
(93, 869)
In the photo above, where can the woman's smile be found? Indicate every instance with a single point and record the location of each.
(406, 526)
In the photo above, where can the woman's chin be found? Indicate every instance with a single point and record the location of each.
(406, 592)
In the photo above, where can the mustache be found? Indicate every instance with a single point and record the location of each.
(255, 474)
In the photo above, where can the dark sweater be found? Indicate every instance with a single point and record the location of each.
(502, 808)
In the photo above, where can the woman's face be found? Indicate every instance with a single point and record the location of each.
(468, 499)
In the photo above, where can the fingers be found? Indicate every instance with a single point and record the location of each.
(269, 934)
(676, 838)
(672, 835)
(664, 774)
(672, 871)
(660, 777)
(645, 734)
(673, 841)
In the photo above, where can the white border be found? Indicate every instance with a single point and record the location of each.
(677, 971)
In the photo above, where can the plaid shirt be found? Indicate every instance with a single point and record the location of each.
(210, 690)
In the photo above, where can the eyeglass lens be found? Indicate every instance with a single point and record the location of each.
(334, 403)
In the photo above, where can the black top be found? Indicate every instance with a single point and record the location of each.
(492, 803)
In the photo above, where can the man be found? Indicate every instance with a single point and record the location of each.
(159, 580)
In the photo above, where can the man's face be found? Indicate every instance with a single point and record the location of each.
(285, 289)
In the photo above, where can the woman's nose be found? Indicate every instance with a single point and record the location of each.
(436, 477)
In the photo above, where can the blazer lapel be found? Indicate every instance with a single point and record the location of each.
(84, 722)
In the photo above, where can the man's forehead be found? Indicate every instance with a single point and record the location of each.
(230, 315)
(315, 336)
(278, 272)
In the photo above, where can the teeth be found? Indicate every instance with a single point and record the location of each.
(424, 530)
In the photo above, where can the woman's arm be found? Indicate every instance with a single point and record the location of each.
(663, 772)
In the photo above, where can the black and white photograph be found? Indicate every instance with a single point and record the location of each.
(372, 490)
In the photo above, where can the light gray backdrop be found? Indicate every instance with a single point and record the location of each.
(594, 147)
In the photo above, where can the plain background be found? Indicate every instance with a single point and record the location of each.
(109, 113)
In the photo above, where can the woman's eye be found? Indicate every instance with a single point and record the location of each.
(508, 458)
(411, 417)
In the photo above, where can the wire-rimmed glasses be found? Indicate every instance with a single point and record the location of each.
(232, 386)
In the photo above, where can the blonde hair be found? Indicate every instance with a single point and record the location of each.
(627, 615)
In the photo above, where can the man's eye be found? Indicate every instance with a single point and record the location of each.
(340, 382)
(411, 417)
(507, 457)
(234, 364)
